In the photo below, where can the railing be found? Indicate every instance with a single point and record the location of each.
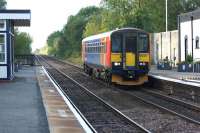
(197, 67)
(25, 59)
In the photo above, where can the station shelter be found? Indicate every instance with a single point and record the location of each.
(8, 20)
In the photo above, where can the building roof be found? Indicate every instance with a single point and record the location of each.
(19, 17)
(108, 34)
(187, 16)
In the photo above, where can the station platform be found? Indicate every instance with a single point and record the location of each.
(21, 107)
(32, 104)
(173, 75)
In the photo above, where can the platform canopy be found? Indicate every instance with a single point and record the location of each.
(19, 17)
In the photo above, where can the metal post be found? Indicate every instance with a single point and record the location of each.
(192, 42)
(166, 16)
(166, 22)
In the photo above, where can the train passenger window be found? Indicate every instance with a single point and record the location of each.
(143, 43)
(2, 25)
(116, 43)
(99, 51)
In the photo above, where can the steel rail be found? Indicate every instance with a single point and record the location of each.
(161, 107)
(176, 101)
(110, 107)
(82, 116)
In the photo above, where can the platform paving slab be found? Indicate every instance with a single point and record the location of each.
(60, 118)
(188, 76)
(21, 107)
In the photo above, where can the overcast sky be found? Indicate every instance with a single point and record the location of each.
(48, 15)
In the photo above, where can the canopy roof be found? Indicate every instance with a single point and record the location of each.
(19, 17)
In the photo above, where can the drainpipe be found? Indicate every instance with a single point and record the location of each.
(192, 41)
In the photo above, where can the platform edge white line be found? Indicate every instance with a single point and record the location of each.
(81, 121)
(175, 80)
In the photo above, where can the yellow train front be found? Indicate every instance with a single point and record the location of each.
(120, 56)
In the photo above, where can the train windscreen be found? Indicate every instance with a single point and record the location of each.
(116, 43)
(131, 43)
(143, 43)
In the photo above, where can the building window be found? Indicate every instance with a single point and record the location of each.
(197, 42)
(2, 48)
(2, 25)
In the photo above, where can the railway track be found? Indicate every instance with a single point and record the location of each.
(175, 106)
(100, 115)
(78, 74)
(182, 109)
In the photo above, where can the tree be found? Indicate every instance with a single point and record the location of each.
(22, 43)
(148, 15)
(51, 42)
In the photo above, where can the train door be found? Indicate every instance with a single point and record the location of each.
(130, 50)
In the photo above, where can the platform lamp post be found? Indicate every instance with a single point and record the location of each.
(166, 11)
(166, 22)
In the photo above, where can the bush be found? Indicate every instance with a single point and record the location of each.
(189, 59)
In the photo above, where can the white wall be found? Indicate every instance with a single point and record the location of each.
(196, 32)
(185, 29)
(163, 46)
(3, 71)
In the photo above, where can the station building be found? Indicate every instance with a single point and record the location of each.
(178, 44)
(189, 35)
(9, 19)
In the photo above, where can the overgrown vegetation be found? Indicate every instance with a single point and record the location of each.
(144, 14)
(22, 43)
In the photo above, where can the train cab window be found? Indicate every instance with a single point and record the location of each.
(131, 43)
(116, 43)
(143, 43)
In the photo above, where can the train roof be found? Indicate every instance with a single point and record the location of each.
(108, 34)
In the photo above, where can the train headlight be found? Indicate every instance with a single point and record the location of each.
(117, 63)
(142, 64)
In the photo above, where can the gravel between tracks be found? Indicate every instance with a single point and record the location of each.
(151, 118)
(96, 112)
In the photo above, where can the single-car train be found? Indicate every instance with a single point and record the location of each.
(120, 56)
